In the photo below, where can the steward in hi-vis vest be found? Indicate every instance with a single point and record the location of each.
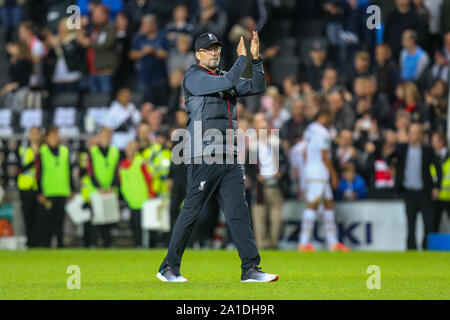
(55, 185)
(102, 167)
(439, 142)
(135, 186)
(27, 184)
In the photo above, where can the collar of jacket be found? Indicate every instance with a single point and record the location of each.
(198, 67)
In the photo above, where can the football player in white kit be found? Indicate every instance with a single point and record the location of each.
(319, 172)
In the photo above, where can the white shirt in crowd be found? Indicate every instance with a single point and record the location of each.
(434, 7)
(120, 116)
(37, 49)
(317, 139)
(62, 73)
(297, 160)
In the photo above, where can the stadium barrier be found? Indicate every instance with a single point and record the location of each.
(368, 225)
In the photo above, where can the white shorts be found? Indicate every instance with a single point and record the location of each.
(318, 191)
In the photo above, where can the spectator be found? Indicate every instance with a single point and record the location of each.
(446, 47)
(361, 67)
(329, 81)
(122, 117)
(103, 164)
(135, 186)
(343, 115)
(245, 28)
(351, 185)
(386, 70)
(251, 8)
(311, 70)
(265, 177)
(179, 24)
(88, 6)
(291, 89)
(378, 101)
(149, 51)
(136, 9)
(102, 59)
(179, 61)
(334, 11)
(125, 69)
(439, 143)
(55, 186)
(210, 19)
(366, 131)
(314, 102)
(70, 59)
(27, 184)
(439, 69)
(11, 14)
(436, 104)
(434, 29)
(143, 140)
(413, 59)
(413, 104)
(37, 51)
(381, 168)
(403, 18)
(294, 127)
(19, 71)
(413, 180)
(277, 115)
(345, 152)
(402, 124)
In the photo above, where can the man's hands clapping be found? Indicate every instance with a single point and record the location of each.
(254, 46)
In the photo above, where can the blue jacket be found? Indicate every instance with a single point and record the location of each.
(210, 101)
(358, 186)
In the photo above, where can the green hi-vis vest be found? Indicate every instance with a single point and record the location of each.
(86, 185)
(55, 176)
(444, 194)
(104, 167)
(27, 180)
(158, 160)
(133, 185)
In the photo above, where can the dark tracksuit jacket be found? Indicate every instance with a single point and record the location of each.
(210, 100)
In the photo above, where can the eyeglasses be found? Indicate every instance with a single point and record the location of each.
(212, 50)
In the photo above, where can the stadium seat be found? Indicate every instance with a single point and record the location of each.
(6, 129)
(65, 118)
(65, 100)
(93, 118)
(305, 46)
(96, 100)
(31, 118)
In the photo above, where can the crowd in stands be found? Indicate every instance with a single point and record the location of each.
(317, 53)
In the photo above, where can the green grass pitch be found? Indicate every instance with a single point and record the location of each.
(130, 274)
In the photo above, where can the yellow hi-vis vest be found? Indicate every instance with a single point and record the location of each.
(104, 167)
(86, 185)
(133, 185)
(55, 172)
(444, 194)
(27, 180)
(159, 166)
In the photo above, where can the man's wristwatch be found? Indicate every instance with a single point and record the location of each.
(259, 59)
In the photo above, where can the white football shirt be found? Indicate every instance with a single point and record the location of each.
(317, 139)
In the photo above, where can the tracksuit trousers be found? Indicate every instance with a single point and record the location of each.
(224, 183)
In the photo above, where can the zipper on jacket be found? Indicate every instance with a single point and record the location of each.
(229, 113)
